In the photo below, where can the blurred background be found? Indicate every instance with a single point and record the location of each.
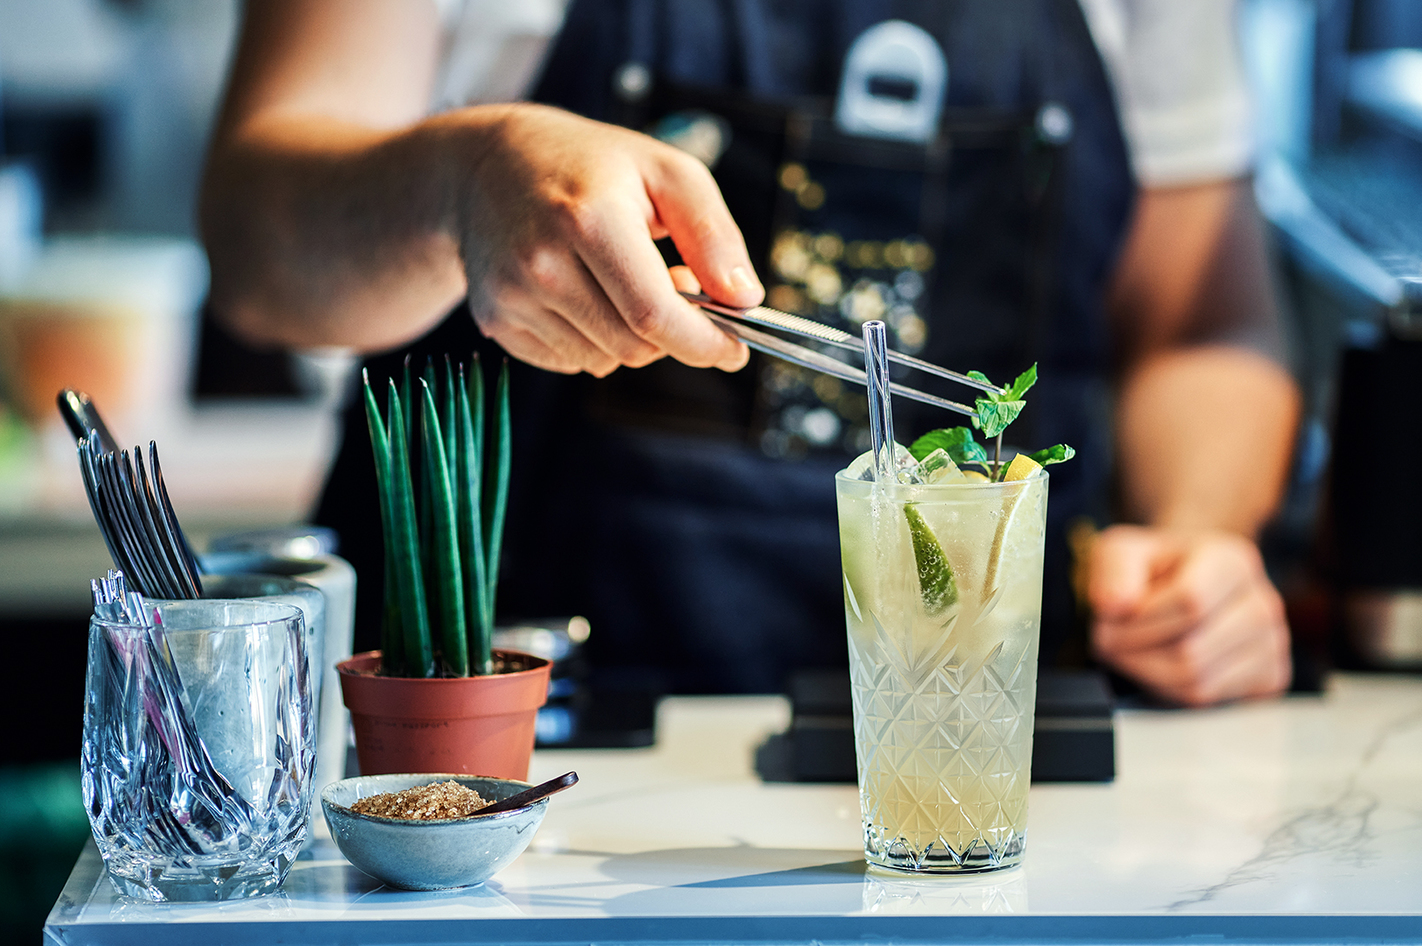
(105, 107)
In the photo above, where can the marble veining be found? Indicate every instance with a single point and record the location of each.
(1339, 830)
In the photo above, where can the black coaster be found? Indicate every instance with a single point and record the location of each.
(1073, 741)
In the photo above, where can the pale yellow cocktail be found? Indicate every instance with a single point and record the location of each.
(943, 597)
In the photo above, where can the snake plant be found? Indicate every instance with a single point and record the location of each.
(442, 511)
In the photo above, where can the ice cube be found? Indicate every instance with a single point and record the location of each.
(862, 466)
(938, 467)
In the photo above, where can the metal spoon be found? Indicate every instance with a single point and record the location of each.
(530, 795)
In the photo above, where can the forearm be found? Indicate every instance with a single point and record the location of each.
(1206, 412)
(1205, 437)
(321, 232)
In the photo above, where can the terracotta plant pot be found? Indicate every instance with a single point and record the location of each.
(469, 725)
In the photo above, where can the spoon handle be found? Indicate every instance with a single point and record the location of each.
(530, 795)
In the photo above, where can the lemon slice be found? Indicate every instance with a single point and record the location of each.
(935, 575)
(1021, 467)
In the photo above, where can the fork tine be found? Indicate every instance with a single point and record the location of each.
(159, 550)
(123, 469)
(120, 496)
(105, 492)
(171, 548)
(129, 480)
(89, 473)
(194, 570)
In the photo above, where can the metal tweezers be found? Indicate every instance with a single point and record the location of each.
(739, 321)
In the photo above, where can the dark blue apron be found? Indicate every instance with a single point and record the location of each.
(675, 507)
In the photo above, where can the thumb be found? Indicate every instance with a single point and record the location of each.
(689, 204)
(1123, 561)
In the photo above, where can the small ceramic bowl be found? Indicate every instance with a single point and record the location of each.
(429, 855)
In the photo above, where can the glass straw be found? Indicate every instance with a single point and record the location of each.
(881, 413)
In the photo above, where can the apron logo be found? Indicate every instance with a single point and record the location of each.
(895, 80)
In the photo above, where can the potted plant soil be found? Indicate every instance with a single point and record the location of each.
(437, 697)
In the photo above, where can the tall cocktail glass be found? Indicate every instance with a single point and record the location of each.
(199, 748)
(943, 600)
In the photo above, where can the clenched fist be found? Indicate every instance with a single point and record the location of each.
(1192, 616)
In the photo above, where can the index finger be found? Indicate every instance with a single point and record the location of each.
(1123, 560)
(616, 246)
(689, 204)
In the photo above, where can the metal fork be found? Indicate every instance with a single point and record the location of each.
(132, 508)
(739, 322)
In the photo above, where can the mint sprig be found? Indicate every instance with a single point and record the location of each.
(998, 409)
(995, 410)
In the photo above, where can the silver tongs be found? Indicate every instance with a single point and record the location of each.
(739, 323)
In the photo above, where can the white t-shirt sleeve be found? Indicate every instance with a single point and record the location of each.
(1180, 86)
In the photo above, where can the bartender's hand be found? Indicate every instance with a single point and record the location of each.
(336, 212)
(1191, 616)
(556, 220)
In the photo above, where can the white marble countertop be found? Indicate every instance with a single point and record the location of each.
(1293, 821)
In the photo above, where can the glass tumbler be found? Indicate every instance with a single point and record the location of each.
(199, 748)
(943, 601)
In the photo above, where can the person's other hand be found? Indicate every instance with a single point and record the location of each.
(1192, 617)
(556, 218)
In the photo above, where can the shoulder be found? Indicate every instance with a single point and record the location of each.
(1180, 86)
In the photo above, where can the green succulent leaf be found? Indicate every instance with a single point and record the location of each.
(496, 495)
(957, 442)
(414, 618)
(443, 502)
(392, 645)
(469, 476)
(446, 578)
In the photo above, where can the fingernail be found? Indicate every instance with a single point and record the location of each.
(742, 281)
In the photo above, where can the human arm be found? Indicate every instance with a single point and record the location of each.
(1205, 425)
(334, 213)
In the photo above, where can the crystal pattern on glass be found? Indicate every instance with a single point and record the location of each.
(937, 731)
(199, 746)
(943, 686)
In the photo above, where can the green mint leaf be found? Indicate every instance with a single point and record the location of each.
(957, 442)
(979, 376)
(997, 409)
(1022, 385)
(935, 574)
(993, 416)
(1058, 454)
